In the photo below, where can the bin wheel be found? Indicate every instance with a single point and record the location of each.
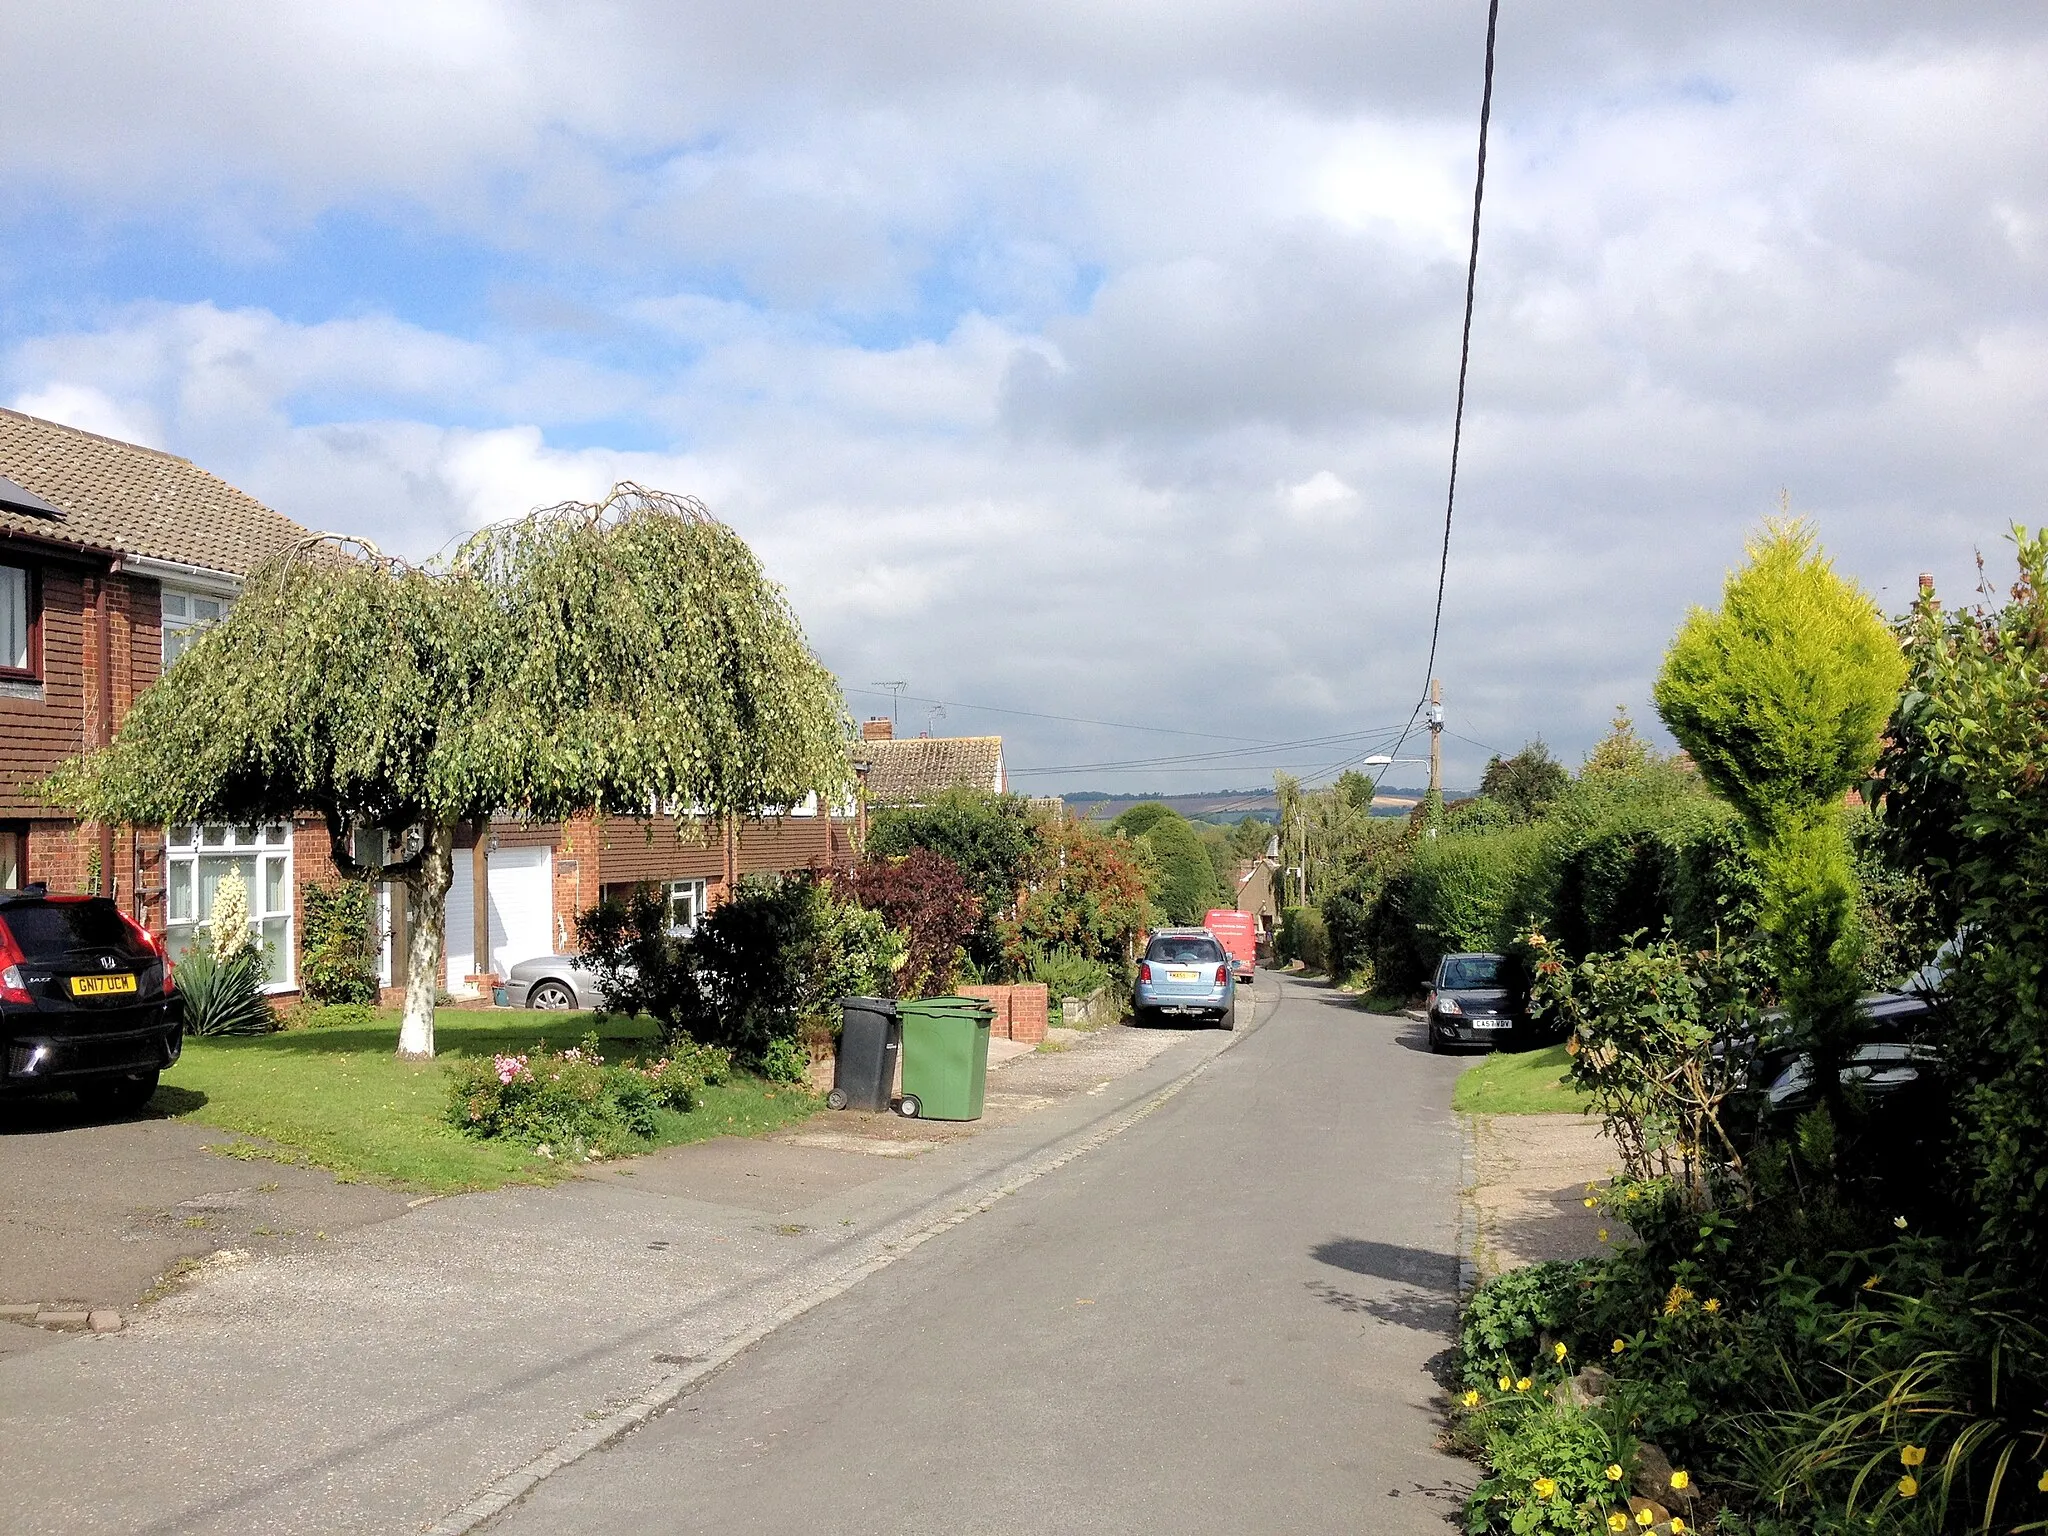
(907, 1106)
(836, 1099)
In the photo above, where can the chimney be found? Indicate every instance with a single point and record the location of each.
(881, 729)
(1926, 582)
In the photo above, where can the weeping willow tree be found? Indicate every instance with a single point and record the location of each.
(613, 656)
(1781, 698)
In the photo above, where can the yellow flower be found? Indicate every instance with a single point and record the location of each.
(1545, 1487)
(1677, 1526)
(1711, 1305)
(1675, 1300)
(1646, 1516)
(1591, 1202)
(1613, 1472)
(1617, 1346)
(1559, 1350)
(1603, 1234)
(1617, 1522)
(1681, 1480)
(1872, 1283)
(1908, 1486)
(1471, 1399)
(1523, 1385)
(1913, 1455)
(2043, 1484)
(1899, 1222)
(1507, 1383)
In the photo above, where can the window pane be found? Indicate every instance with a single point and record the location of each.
(277, 938)
(179, 937)
(206, 609)
(245, 837)
(275, 898)
(275, 834)
(174, 605)
(13, 616)
(213, 836)
(174, 645)
(181, 837)
(211, 869)
(10, 860)
(181, 890)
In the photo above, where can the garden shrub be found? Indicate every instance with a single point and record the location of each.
(339, 963)
(1185, 884)
(224, 996)
(1088, 898)
(1066, 974)
(924, 897)
(571, 1102)
(1303, 937)
(992, 839)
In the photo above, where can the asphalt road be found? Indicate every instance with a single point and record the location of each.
(1223, 1319)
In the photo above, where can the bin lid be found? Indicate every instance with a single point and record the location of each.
(882, 1005)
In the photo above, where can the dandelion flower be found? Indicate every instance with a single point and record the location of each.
(1471, 1399)
(1617, 1346)
(1675, 1300)
(1523, 1385)
(1909, 1485)
(1711, 1305)
(1913, 1455)
(1559, 1350)
(1617, 1522)
(1681, 1480)
(1613, 1472)
(1872, 1283)
(1545, 1487)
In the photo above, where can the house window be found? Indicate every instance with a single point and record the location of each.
(187, 616)
(685, 904)
(12, 847)
(197, 858)
(20, 634)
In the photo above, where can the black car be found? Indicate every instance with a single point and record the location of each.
(1474, 999)
(87, 1001)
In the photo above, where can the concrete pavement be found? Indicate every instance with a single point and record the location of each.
(391, 1375)
(1222, 1320)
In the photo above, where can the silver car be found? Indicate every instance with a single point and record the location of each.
(553, 982)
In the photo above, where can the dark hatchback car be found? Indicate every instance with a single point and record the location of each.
(87, 1002)
(1475, 999)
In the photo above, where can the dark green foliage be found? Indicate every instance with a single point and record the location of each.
(1526, 783)
(1141, 818)
(572, 1102)
(773, 957)
(224, 997)
(1185, 884)
(340, 960)
(993, 839)
(1303, 937)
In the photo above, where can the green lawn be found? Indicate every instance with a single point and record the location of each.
(339, 1098)
(1518, 1083)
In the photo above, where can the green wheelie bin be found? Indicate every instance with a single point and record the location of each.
(945, 1057)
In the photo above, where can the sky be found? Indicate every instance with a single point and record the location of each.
(1080, 367)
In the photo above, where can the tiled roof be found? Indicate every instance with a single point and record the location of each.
(124, 498)
(905, 772)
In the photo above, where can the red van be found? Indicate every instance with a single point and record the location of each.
(1239, 933)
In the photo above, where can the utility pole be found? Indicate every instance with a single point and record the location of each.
(1436, 740)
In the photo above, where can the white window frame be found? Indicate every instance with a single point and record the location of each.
(183, 621)
(687, 896)
(273, 893)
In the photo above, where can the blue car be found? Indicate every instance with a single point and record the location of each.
(1186, 973)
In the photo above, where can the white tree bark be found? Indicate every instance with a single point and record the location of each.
(426, 901)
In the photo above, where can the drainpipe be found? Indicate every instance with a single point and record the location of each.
(104, 735)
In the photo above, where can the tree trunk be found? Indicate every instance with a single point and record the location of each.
(427, 906)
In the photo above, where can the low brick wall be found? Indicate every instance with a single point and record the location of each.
(1021, 1009)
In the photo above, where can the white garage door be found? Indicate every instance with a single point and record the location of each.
(521, 915)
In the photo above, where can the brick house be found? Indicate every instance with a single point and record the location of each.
(113, 551)
(112, 557)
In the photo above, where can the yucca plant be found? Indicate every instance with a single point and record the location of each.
(224, 996)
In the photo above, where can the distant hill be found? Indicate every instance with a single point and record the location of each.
(1225, 806)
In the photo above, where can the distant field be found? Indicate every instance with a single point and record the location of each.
(1223, 805)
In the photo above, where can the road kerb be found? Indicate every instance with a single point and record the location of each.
(508, 1490)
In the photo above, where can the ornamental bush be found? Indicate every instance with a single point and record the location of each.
(571, 1102)
(339, 964)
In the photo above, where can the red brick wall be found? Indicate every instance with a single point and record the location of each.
(1021, 1009)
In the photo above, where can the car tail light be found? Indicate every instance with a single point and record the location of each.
(12, 988)
(149, 941)
(1144, 970)
(1222, 974)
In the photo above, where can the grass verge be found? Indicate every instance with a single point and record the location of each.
(1518, 1083)
(340, 1099)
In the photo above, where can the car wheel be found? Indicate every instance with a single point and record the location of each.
(118, 1095)
(1436, 1042)
(554, 996)
(1227, 1019)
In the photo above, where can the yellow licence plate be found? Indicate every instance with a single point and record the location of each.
(101, 986)
(1182, 975)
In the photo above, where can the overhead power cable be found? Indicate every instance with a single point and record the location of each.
(1033, 714)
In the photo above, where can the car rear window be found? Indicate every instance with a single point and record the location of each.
(51, 930)
(1473, 971)
(1185, 951)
